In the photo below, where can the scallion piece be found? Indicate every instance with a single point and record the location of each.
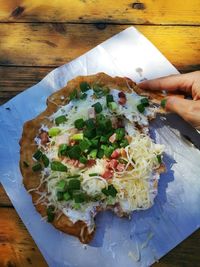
(144, 102)
(84, 144)
(90, 124)
(50, 214)
(60, 119)
(76, 206)
(109, 98)
(124, 143)
(113, 106)
(100, 153)
(163, 103)
(159, 159)
(37, 167)
(73, 176)
(83, 159)
(66, 196)
(83, 96)
(74, 152)
(59, 196)
(93, 174)
(97, 107)
(61, 186)
(110, 191)
(77, 137)
(141, 108)
(84, 86)
(93, 154)
(79, 124)
(120, 133)
(37, 155)
(45, 160)
(89, 133)
(73, 95)
(74, 184)
(54, 131)
(62, 150)
(58, 166)
(79, 197)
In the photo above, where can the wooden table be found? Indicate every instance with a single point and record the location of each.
(37, 36)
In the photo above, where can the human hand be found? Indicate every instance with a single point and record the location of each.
(188, 83)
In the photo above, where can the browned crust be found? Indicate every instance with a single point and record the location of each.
(30, 131)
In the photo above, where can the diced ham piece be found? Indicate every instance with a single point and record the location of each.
(91, 113)
(122, 101)
(123, 152)
(121, 94)
(115, 154)
(112, 138)
(112, 164)
(44, 137)
(91, 162)
(76, 163)
(108, 174)
(120, 167)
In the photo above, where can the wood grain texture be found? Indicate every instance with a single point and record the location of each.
(84, 11)
(38, 44)
(17, 247)
(4, 199)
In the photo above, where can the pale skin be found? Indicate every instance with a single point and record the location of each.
(188, 83)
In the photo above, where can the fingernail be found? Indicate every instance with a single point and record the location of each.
(163, 102)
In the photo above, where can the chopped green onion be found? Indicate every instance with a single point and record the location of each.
(163, 103)
(104, 139)
(60, 119)
(54, 131)
(37, 155)
(74, 176)
(100, 153)
(89, 133)
(26, 164)
(108, 150)
(76, 206)
(66, 196)
(83, 96)
(145, 102)
(79, 198)
(98, 91)
(141, 108)
(74, 152)
(109, 98)
(79, 124)
(90, 124)
(59, 196)
(159, 158)
(84, 86)
(94, 142)
(93, 153)
(62, 150)
(61, 186)
(37, 167)
(58, 166)
(45, 160)
(124, 143)
(50, 214)
(120, 133)
(83, 159)
(110, 191)
(97, 107)
(73, 95)
(93, 174)
(74, 184)
(113, 106)
(84, 144)
(77, 137)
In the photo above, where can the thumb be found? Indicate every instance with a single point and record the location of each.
(189, 110)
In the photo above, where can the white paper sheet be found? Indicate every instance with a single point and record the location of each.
(118, 242)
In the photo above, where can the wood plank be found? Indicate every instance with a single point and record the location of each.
(18, 249)
(4, 199)
(39, 44)
(124, 11)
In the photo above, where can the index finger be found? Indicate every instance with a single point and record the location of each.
(168, 83)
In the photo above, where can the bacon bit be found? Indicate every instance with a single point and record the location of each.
(115, 154)
(112, 164)
(44, 137)
(112, 138)
(121, 94)
(120, 167)
(122, 101)
(128, 138)
(108, 174)
(72, 142)
(123, 153)
(91, 162)
(91, 113)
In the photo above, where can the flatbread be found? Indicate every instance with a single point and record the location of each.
(31, 128)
